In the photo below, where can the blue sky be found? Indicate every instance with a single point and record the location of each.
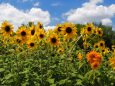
(65, 10)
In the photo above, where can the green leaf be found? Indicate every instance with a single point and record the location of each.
(51, 81)
(79, 82)
(2, 69)
(8, 76)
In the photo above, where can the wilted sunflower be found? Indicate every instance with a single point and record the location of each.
(69, 30)
(89, 28)
(54, 39)
(6, 28)
(41, 34)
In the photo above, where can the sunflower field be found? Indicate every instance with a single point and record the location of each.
(67, 55)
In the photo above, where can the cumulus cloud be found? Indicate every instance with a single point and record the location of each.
(91, 12)
(18, 17)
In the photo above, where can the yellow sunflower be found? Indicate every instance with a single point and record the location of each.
(112, 62)
(69, 30)
(99, 32)
(6, 28)
(96, 45)
(101, 44)
(23, 32)
(31, 44)
(58, 28)
(39, 25)
(79, 56)
(54, 39)
(89, 28)
(41, 34)
(32, 30)
(18, 40)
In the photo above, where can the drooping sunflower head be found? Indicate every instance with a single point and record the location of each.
(54, 39)
(6, 28)
(69, 29)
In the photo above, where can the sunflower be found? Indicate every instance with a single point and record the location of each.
(99, 32)
(39, 25)
(41, 34)
(31, 44)
(32, 30)
(93, 56)
(69, 30)
(79, 56)
(95, 65)
(54, 39)
(101, 44)
(112, 62)
(96, 45)
(23, 32)
(6, 28)
(58, 28)
(18, 40)
(89, 28)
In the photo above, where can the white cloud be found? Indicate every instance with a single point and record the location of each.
(106, 22)
(49, 27)
(18, 17)
(91, 12)
(36, 4)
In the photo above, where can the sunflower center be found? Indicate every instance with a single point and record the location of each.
(99, 32)
(23, 33)
(31, 44)
(59, 29)
(101, 44)
(53, 40)
(7, 28)
(68, 30)
(96, 46)
(41, 35)
(89, 28)
(18, 40)
(41, 26)
(32, 32)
